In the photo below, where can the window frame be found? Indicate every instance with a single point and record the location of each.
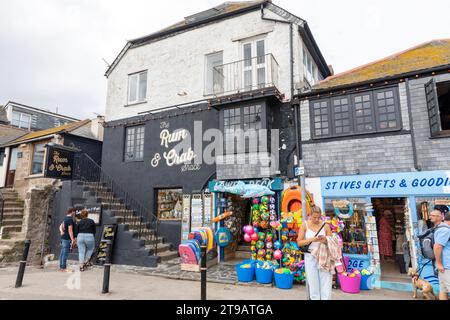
(135, 144)
(263, 115)
(138, 87)
(209, 75)
(351, 99)
(21, 114)
(433, 85)
(34, 147)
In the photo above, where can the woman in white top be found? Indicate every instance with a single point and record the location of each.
(319, 281)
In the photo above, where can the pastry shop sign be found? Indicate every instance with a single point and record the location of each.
(395, 184)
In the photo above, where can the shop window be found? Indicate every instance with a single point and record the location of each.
(438, 102)
(368, 112)
(37, 166)
(134, 144)
(352, 212)
(2, 157)
(137, 87)
(425, 206)
(170, 204)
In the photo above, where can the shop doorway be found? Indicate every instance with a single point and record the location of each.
(241, 217)
(394, 248)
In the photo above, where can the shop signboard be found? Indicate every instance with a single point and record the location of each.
(94, 213)
(394, 184)
(357, 261)
(275, 184)
(59, 163)
(108, 234)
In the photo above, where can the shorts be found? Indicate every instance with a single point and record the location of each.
(444, 281)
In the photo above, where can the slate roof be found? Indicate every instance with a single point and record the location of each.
(9, 133)
(423, 57)
(67, 128)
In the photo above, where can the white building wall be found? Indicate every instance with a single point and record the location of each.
(177, 63)
(4, 168)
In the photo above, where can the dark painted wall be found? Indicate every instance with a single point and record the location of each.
(91, 147)
(141, 179)
(126, 251)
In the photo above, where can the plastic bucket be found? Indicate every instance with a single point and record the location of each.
(284, 281)
(264, 276)
(245, 274)
(350, 285)
(366, 282)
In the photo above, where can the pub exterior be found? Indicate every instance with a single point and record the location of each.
(168, 109)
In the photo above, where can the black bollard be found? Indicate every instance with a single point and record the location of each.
(203, 273)
(23, 264)
(107, 268)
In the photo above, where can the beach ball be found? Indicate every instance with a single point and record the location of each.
(255, 230)
(255, 207)
(278, 254)
(254, 237)
(265, 200)
(261, 236)
(249, 230)
(269, 245)
(255, 224)
(261, 253)
(255, 201)
(247, 238)
(260, 245)
(277, 245)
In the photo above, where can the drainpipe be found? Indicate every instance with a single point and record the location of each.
(411, 127)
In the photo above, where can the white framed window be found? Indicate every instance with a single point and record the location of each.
(214, 77)
(310, 69)
(137, 87)
(37, 165)
(134, 143)
(254, 64)
(21, 120)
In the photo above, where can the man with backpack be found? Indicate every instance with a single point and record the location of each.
(442, 254)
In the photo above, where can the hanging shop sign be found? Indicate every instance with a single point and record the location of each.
(394, 184)
(275, 184)
(59, 163)
(343, 209)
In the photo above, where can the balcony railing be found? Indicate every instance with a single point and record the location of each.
(243, 76)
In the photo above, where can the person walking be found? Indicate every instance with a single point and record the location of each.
(85, 240)
(312, 233)
(442, 254)
(68, 240)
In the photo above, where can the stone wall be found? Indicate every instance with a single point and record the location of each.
(37, 218)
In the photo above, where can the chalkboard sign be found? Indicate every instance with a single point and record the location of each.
(108, 234)
(95, 213)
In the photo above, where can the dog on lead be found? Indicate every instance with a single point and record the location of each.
(421, 284)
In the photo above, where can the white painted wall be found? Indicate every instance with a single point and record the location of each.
(177, 63)
(4, 168)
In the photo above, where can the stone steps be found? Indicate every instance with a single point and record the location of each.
(13, 208)
(12, 229)
(163, 247)
(12, 222)
(168, 255)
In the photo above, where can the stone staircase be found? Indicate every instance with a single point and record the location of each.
(119, 210)
(12, 238)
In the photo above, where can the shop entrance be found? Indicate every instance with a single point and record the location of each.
(395, 258)
(241, 208)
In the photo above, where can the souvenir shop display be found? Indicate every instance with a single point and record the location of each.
(190, 250)
(284, 278)
(264, 272)
(353, 233)
(245, 272)
(170, 204)
(350, 282)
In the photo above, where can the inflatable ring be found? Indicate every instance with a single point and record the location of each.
(348, 215)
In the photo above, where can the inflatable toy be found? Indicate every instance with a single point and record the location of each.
(247, 238)
(278, 255)
(291, 201)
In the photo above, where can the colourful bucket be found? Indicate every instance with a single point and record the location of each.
(245, 274)
(350, 285)
(264, 276)
(366, 282)
(284, 281)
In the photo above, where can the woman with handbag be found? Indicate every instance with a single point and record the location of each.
(312, 233)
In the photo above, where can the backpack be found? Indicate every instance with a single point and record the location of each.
(426, 241)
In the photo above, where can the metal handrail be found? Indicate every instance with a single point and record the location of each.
(135, 214)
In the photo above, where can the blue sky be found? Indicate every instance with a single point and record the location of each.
(51, 51)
